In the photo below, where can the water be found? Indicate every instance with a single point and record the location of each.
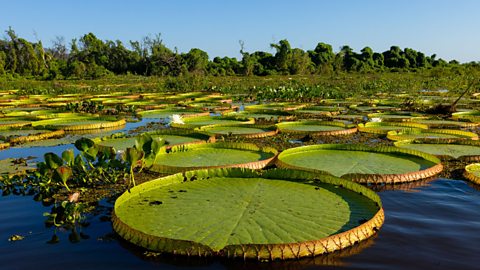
(434, 225)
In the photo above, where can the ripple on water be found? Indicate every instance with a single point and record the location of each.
(433, 227)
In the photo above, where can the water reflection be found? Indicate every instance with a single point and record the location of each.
(167, 261)
(408, 187)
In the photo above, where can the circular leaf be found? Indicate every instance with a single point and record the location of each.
(271, 215)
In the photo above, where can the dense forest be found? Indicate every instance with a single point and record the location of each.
(90, 58)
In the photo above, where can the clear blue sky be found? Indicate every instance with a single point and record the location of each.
(449, 28)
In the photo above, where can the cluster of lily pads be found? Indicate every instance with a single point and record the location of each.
(256, 201)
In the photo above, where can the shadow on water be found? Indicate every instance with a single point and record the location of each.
(408, 187)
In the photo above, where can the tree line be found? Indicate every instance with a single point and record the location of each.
(91, 57)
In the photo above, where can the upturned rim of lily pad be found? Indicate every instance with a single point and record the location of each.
(256, 165)
(369, 178)
(260, 252)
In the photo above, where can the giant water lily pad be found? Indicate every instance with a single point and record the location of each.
(431, 134)
(473, 116)
(12, 166)
(394, 116)
(316, 128)
(5, 135)
(80, 123)
(282, 106)
(265, 116)
(121, 143)
(167, 113)
(320, 110)
(12, 122)
(472, 172)
(247, 131)
(439, 123)
(212, 155)
(196, 122)
(279, 214)
(385, 127)
(467, 150)
(363, 164)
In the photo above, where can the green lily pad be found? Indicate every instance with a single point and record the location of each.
(166, 113)
(361, 163)
(432, 123)
(121, 144)
(283, 106)
(472, 172)
(79, 123)
(196, 122)
(473, 116)
(249, 131)
(276, 214)
(385, 127)
(316, 127)
(12, 122)
(431, 134)
(5, 135)
(320, 110)
(14, 166)
(394, 116)
(459, 149)
(350, 117)
(267, 116)
(212, 155)
(372, 108)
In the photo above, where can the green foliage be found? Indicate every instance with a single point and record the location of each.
(65, 213)
(92, 58)
(53, 161)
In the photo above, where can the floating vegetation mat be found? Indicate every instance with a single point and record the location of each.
(212, 155)
(472, 173)
(320, 128)
(238, 213)
(359, 163)
(465, 150)
(431, 134)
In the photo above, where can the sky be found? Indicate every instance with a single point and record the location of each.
(448, 28)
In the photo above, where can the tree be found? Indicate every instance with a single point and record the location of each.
(196, 61)
(3, 61)
(299, 62)
(395, 58)
(323, 57)
(283, 49)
